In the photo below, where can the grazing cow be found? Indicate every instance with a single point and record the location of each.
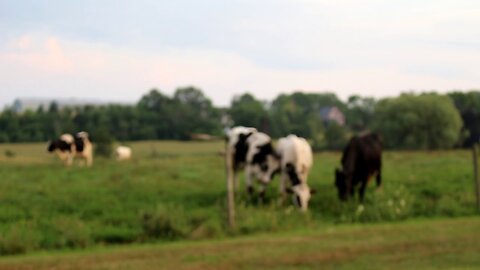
(252, 151)
(362, 159)
(123, 153)
(64, 147)
(83, 147)
(68, 146)
(296, 161)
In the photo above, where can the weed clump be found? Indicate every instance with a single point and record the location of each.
(165, 222)
(20, 238)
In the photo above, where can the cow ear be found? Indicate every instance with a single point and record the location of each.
(289, 190)
(313, 191)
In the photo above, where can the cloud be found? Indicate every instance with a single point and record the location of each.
(43, 64)
(43, 54)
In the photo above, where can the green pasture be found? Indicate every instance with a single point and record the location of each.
(415, 244)
(176, 191)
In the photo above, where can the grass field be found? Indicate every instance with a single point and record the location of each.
(419, 244)
(176, 191)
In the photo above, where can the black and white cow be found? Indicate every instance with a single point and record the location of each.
(252, 151)
(68, 146)
(296, 161)
(361, 160)
(64, 147)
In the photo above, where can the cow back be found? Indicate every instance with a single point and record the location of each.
(362, 154)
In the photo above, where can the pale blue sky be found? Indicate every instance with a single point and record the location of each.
(118, 50)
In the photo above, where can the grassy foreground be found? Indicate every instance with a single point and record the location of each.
(418, 244)
(174, 191)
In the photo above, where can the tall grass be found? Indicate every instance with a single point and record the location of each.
(173, 191)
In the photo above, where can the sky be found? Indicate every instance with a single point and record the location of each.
(117, 50)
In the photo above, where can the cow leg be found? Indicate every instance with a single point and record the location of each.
(379, 179)
(82, 161)
(89, 160)
(283, 182)
(249, 180)
(350, 189)
(261, 192)
(69, 160)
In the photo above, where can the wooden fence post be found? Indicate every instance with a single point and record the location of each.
(230, 189)
(476, 175)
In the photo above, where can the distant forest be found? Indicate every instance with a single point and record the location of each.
(409, 121)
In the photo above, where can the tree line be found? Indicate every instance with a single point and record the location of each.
(409, 121)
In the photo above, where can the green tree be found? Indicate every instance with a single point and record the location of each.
(426, 121)
(103, 142)
(195, 113)
(360, 112)
(299, 113)
(468, 104)
(245, 110)
(156, 117)
(336, 136)
(193, 98)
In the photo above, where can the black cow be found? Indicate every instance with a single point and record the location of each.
(362, 158)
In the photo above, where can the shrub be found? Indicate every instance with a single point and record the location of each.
(9, 153)
(394, 204)
(103, 142)
(336, 136)
(111, 234)
(72, 232)
(21, 237)
(427, 121)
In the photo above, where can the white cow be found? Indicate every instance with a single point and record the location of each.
(123, 153)
(252, 151)
(68, 146)
(296, 161)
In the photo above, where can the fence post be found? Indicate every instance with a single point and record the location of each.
(230, 189)
(475, 150)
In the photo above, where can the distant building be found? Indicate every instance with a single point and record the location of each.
(33, 104)
(332, 114)
(21, 105)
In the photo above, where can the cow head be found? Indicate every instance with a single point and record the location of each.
(300, 190)
(301, 195)
(266, 170)
(341, 184)
(266, 163)
(52, 145)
